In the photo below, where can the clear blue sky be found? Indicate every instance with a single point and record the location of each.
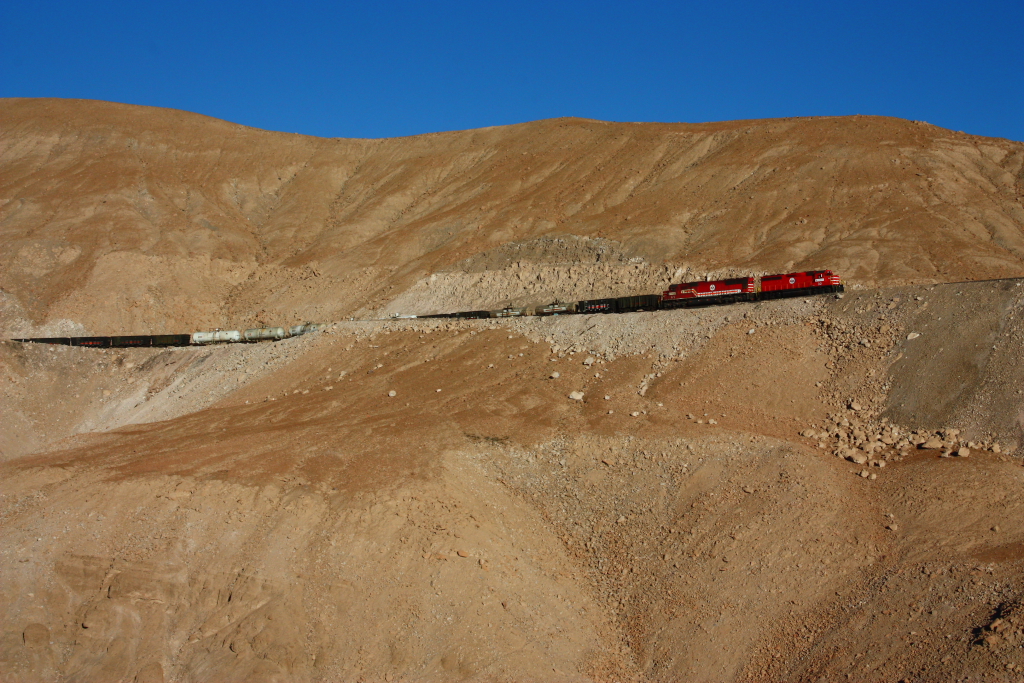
(366, 69)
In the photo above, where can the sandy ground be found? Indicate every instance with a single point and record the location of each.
(269, 512)
(804, 490)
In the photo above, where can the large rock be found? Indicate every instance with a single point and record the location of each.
(858, 457)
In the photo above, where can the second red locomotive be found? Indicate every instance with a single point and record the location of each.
(713, 291)
(779, 286)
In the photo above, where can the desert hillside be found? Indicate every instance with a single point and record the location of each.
(811, 489)
(125, 219)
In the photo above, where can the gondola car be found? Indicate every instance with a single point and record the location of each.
(172, 339)
(643, 302)
(94, 342)
(134, 341)
(597, 306)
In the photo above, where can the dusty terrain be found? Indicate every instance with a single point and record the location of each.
(122, 219)
(811, 489)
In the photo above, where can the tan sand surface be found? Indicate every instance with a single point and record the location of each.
(739, 495)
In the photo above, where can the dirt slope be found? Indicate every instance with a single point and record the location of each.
(291, 520)
(800, 490)
(127, 219)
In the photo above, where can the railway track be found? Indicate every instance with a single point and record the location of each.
(686, 295)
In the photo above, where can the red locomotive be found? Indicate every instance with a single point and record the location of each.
(799, 284)
(709, 292)
(713, 292)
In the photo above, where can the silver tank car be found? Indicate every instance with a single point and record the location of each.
(304, 328)
(216, 337)
(509, 312)
(264, 333)
(557, 308)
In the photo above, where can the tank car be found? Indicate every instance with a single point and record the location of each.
(556, 308)
(216, 337)
(509, 312)
(265, 333)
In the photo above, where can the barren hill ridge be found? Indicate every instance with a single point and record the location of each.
(193, 221)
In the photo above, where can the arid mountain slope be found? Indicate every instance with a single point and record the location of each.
(268, 512)
(823, 488)
(120, 218)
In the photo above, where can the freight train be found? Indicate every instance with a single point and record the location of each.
(685, 295)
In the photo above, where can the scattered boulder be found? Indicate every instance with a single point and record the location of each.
(933, 443)
(576, 396)
(392, 393)
(857, 457)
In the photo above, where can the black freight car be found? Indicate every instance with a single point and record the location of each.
(644, 302)
(597, 306)
(95, 342)
(172, 339)
(131, 341)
